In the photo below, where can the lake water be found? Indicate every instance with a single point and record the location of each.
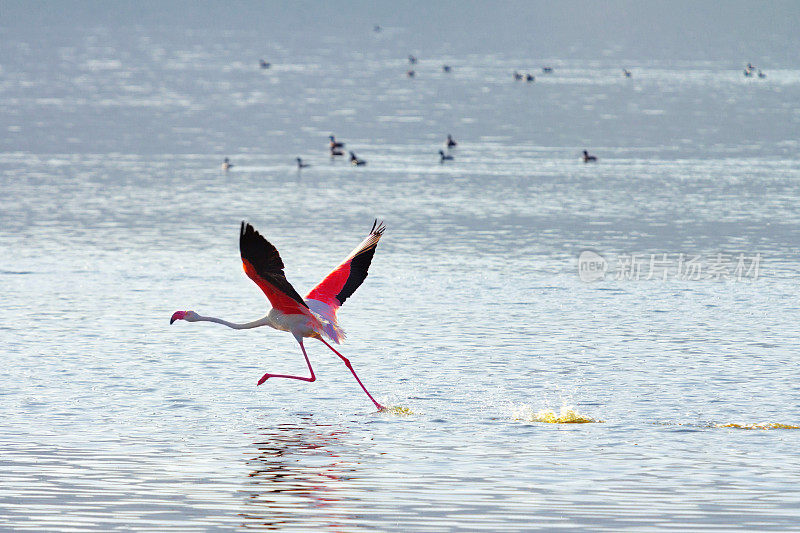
(475, 325)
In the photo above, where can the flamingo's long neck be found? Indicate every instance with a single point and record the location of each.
(247, 325)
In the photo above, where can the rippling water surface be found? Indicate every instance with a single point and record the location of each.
(523, 398)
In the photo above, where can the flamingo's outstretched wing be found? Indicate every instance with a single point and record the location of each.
(348, 276)
(262, 263)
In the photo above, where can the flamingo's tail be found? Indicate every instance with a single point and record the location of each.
(326, 315)
(334, 332)
(330, 328)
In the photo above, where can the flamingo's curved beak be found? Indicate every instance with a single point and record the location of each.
(177, 315)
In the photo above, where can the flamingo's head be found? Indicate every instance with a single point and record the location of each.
(189, 316)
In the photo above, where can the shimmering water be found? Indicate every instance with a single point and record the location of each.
(474, 325)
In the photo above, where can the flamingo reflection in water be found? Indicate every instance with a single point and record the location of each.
(282, 484)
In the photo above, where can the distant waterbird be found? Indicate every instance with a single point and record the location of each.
(626, 72)
(411, 73)
(335, 144)
(761, 74)
(517, 76)
(313, 317)
(444, 157)
(588, 158)
(227, 165)
(263, 64)
(412, 60)
(355, 161)
(300, 163)
(547, 70)
(446, 68)
(530, 77)
(450, 143)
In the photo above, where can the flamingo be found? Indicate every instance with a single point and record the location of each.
(313, 317)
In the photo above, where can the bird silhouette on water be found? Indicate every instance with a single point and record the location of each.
(355, 161)
(335, 146)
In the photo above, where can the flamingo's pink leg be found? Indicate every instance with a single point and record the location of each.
(347, 363)
(265, 377)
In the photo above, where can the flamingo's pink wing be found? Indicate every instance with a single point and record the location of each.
(350, 274)
(262, 263)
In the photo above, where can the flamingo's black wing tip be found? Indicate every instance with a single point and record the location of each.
(378, 227)
(247, 227)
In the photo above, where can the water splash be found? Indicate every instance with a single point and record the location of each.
(397, 410)
(567, 415)
(733, 425)
(762, 425)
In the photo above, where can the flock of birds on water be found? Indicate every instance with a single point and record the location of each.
(335, 147)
